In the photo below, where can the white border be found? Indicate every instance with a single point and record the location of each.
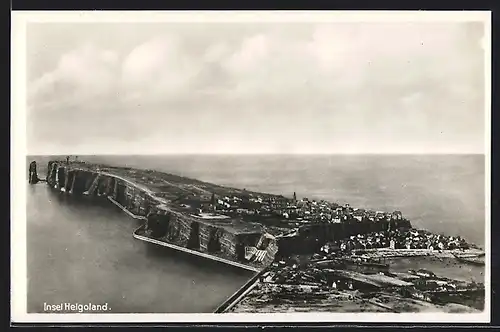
(19, 152)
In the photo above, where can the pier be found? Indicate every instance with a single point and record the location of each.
(137, 235)
(240, 293)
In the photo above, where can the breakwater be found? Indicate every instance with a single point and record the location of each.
(139, 234)
(240, 293)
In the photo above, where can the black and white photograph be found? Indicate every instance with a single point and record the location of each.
(251, 166)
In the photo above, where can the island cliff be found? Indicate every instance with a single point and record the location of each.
(235, 226)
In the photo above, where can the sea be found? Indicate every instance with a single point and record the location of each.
(79, 252)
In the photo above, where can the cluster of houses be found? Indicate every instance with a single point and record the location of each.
(398, 239)
(422, 239)
(293, 210)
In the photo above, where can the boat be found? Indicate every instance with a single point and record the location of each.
(470, 255)
(469, 259)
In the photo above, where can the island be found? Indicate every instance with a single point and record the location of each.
(307, 255)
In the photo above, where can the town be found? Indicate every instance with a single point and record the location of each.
(282, 211)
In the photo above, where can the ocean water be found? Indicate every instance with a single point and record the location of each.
(84, 253)
(81, 253)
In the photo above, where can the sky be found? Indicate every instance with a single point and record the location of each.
(345, 87)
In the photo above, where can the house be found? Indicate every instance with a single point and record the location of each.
(371, 215)
(336, 217)
(397, 215)
(242, 211)
(358, 214)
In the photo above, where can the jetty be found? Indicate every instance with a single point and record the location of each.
(399, 253)
(139, 234)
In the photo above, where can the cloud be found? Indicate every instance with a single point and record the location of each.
(81, 73)
(404, 83)
(159, 68)
(253, 51)
(336, 56)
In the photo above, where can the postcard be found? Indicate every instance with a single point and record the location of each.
(252, 166)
